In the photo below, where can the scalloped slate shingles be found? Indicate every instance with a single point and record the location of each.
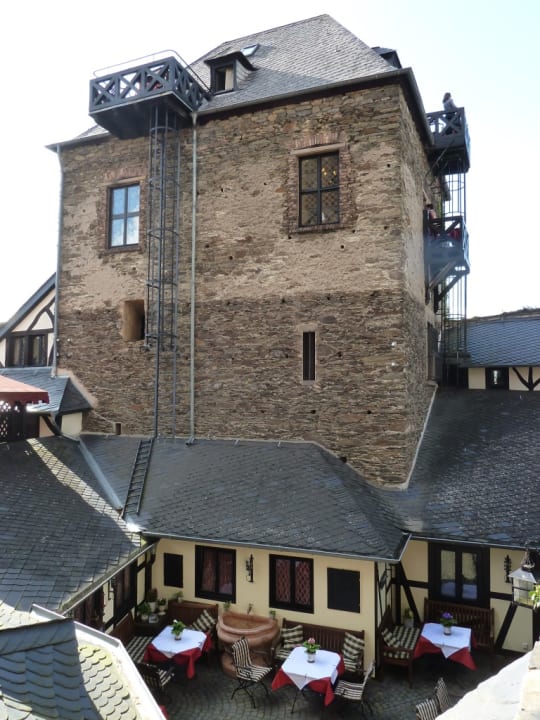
(274, 494)
(48, 671)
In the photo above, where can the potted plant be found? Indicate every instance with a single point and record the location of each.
(151, 599)
(162, 605)
(447, 620)
(311, 649)
(272, 614)
(227, 605)
(408, 618)
(177, 628)
(144, 611)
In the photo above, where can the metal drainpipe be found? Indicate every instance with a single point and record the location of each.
(58, 254)
(193, 257)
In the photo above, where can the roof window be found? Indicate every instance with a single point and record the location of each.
(250, 50)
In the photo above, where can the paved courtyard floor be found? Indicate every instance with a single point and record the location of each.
(208, 695)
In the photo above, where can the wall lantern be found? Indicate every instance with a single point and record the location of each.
(524, 580)
(249, 569)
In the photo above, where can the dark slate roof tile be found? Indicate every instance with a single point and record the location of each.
(329, 508)
(64, 397)
(476, 472)
(54, 501)
(507, 340)
(295, 58)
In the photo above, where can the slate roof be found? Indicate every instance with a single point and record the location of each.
(59, 536)
(504, 340)
(476, 475)
(279, 495)
(57, 668)
(293, 59)
(64, 396)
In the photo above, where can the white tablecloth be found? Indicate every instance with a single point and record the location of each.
(449, 644)
(303, 672)
(165, 642)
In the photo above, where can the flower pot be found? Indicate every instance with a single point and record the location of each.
(178, 636)
(153, 606)
(447, 629)
(310, 656)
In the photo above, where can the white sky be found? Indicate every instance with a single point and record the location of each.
(485, 52)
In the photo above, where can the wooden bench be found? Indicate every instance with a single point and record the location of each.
(189, 610)
(134, 644)
(396, 644)
(328, 638)
(480, 620)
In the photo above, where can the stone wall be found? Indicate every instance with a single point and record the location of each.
(261, 282)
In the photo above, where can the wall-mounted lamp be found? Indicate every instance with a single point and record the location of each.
(507, 564)
(249, 569)
(525, 578)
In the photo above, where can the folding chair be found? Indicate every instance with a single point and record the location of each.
(155, 677)
(442, 696)
(247, 674)
(427, 710)
(355, 691)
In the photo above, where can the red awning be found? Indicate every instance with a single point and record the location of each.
(13, 391)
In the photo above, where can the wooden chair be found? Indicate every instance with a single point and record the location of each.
(157, 678)
(427, 710)
(247, 674)
(353, 691)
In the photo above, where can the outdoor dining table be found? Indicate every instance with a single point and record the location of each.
(456, 646)
(318, 676)
(185, 651)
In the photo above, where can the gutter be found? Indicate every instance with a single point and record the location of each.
(54, 366)
(193, 279)
(285, 548)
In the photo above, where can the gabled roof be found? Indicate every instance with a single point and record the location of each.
(28, 306)
(277, 495)
(60, 538)
(64, 396)
(54, 667)
(476, 474)
(510, 339)
(296, 58)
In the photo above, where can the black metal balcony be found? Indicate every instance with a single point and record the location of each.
(446, 251)
(451, 151)
(123, 102)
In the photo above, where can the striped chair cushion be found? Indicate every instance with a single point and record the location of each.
(403, 638)
(352, 651)
(204, 623)
(291, 637)
(136, 647)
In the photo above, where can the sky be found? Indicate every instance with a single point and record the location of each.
(484, 52)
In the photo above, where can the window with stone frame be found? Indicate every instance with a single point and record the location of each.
(291, 583)
(215, 573)
(124, 215)
(319, 189)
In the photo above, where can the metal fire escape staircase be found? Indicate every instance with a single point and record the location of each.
(154, 99)
(446, 238)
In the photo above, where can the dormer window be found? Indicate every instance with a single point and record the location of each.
(227, 71)
(223, 78)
